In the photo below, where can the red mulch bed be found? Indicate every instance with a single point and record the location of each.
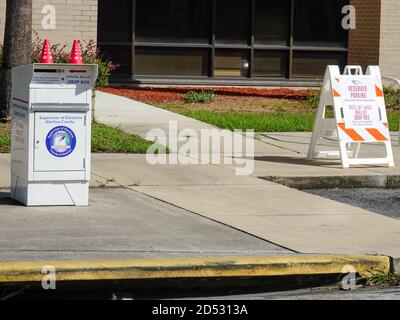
(173, 94)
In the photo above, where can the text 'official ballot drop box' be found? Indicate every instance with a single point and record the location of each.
(51, 129)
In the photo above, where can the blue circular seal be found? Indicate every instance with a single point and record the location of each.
(61, 141)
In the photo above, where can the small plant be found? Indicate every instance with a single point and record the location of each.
(392, 97)
(279, 108)
(313, 99)
(383, 279)
(136, 183)
(105, 183)
(5, 138)
(199, 96)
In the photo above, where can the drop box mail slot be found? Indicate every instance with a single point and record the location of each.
(50, 149)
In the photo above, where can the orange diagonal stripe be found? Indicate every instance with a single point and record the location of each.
(335, 93)
(377, 134)
(379, 92)
(351, 133)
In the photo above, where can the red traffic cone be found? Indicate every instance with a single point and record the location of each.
(76, 57)
(46, 56)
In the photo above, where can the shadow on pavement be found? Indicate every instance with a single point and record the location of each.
(185, 288)
(5, 199)
(298, 161)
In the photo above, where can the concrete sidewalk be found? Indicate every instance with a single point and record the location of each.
(276, 154)
(137, 117)
(303, 223)
(295, 164)
(119, 224)
(282, 219)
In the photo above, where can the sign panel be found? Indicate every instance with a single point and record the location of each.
(360, 114)
(60, 141)
(361, 109)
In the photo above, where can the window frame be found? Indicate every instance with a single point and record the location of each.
(213, 45)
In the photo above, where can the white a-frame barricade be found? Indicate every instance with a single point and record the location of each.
(359, 115)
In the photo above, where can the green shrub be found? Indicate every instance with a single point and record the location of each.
(199, 96)
(90, 55)
(313, 99)
(392, 97)
(5, 138)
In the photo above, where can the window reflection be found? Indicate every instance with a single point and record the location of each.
(231, 63)
(313, 64)
(175, 62)
(270, 64)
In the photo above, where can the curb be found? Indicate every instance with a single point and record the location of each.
(332, 182)
(316, 182)
(396, 265)
(157, 269)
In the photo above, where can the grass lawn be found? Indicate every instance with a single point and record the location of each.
(257, 121)
(259, 114)
(114, 140)
(266, 121)
(252, 109)
(5, 138)
(104, 139)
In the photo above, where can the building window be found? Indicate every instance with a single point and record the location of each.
(119, 54)
(171, 62)
(312, 64)
(272, 22)
(232, 21)
(231, 63)
(270, 63)
(217, 39)
(319, 23)
(173, 21)
(115, 33)
(115, 21)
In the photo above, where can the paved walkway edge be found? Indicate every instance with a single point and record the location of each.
(332, 182)
(230, 267)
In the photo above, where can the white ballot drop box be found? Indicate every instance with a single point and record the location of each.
(51, 130)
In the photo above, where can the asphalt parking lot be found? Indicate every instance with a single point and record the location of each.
(382, 201)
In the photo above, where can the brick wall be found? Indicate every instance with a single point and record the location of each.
(364, 41)
(390, 38)
(75, 19)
